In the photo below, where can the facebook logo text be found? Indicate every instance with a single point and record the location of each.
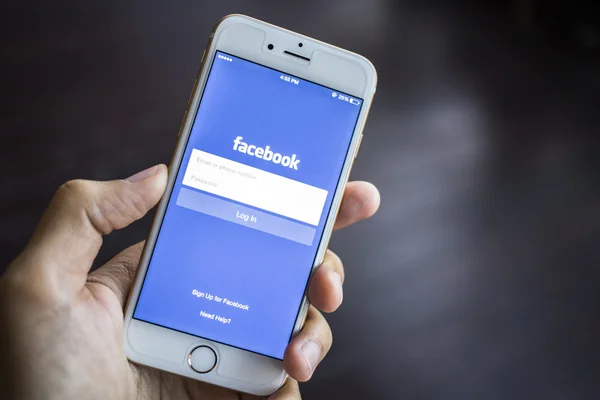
(265, 153)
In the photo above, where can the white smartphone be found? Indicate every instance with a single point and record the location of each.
(272, 127)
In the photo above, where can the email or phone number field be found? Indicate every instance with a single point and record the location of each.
(255, 187)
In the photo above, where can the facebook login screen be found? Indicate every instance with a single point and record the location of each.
(248, 208)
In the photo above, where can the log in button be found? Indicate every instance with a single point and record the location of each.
(246, 216)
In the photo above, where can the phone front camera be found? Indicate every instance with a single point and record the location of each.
(300, 44)
(270, 47)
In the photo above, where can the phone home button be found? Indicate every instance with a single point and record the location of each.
(202, 359)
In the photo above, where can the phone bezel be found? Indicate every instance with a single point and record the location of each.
(330, 66)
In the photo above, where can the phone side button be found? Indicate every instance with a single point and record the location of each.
(202, 359)
(182, 124)
(192, 92)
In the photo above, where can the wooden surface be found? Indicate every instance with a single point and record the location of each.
(480, 276)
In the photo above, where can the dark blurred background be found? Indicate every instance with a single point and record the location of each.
(480, 276)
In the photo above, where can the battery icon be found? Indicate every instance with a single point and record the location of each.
(355, 102)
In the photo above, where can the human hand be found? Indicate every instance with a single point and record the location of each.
(62, 326)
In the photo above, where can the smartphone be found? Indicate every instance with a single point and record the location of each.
(272, 127)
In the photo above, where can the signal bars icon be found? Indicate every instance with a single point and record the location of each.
(222, 57)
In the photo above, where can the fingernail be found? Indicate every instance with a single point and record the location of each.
(312, 353)
(140, 176)
(338, 282)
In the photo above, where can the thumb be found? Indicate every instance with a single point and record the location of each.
(67, 240)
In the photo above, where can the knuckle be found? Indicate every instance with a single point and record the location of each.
(74, 188)
(27, 287)
(125, 265)
(73, 193)
(77, 196)
(121, 270)
(322, 330)
(335, 262)
(333, 258)
(118, 269)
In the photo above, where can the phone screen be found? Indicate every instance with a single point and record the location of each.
(248, 208)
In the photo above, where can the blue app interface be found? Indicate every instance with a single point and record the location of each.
(248, 208)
